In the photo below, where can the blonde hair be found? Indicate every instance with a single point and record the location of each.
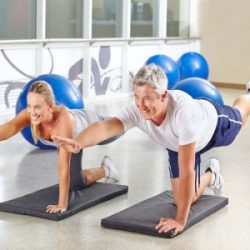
(153, 76)
(44, 89)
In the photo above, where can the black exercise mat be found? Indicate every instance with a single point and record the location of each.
(143, 216)
(34, 204)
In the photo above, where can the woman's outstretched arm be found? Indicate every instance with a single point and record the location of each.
(15, 125)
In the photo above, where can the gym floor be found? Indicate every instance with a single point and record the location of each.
(143, 167)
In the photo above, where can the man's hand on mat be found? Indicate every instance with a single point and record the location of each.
(66, 143)
(167, 224)
(55, 209)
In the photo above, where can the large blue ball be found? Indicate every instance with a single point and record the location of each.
(169, 66)
(193, 64)
(200, 88)
(66, 93)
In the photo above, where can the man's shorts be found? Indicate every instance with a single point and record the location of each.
(228, 126)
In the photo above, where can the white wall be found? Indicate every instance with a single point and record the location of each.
(98, 71)
(224, 28)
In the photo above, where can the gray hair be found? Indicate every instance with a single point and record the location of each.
(153, 76)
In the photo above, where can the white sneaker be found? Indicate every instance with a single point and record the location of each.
(111, 174)
(209, 191)
(218, 182)
(248, 87)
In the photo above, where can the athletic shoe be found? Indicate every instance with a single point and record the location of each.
(248, 87)
(218, 182)
(111, 174)
(208, 191)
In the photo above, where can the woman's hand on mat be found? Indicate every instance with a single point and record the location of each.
(167, 224)
(55, 209)
(66, 143)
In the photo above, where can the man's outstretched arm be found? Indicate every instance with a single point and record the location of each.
(94, 134)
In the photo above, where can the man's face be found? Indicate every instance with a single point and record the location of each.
(149, 103)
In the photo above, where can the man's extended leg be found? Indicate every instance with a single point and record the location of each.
(242, 103)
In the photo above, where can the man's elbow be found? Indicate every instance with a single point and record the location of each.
(113, 127)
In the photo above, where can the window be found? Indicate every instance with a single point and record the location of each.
(178, 18)
(17, 19)
(142, 18)
(107, 18)
(64, 19)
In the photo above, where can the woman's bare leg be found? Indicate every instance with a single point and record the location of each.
(93, 174)
(106, 170)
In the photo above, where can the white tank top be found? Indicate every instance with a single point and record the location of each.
(83, 118)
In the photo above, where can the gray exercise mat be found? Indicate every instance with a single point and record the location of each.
(143, 216)
(34, 204)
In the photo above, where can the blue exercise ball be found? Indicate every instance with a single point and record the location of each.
(66, 93)
(200, 88)
(193, 64)
(169, 66)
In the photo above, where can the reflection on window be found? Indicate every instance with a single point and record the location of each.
(107, 18)
(17, 19)
(64, 18)
(178, 18)
(142, 18)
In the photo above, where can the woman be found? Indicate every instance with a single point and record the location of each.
(46, 119)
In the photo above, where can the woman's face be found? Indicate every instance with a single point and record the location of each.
(37, 108)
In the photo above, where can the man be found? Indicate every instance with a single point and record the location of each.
(184, 126)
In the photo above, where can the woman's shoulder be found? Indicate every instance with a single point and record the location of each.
(63, 120)
(62, 114)
(61, 110)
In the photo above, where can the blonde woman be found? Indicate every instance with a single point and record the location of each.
(46, 119)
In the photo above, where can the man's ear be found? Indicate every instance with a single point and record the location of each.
(164, 96)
